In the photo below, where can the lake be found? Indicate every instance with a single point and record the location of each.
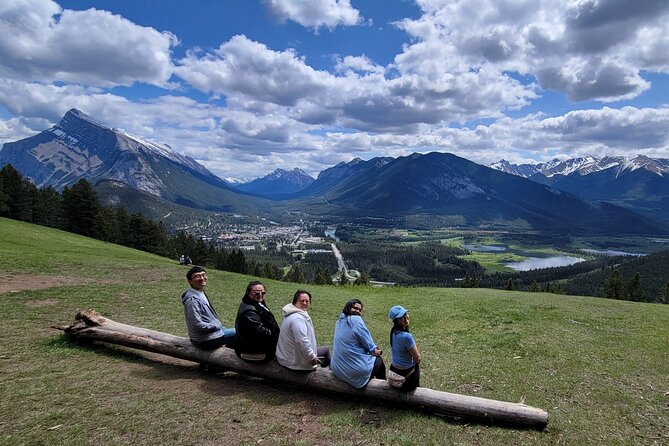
(545, 262)
(611, 252)
(484, 248)
(330, 232)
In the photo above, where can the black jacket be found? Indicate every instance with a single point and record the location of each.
(256, 329)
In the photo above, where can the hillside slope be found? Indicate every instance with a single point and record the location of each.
(599, 367)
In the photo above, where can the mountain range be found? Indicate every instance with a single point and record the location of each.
(440, 184)
(278, 184)
(80, 147)
(638, 183)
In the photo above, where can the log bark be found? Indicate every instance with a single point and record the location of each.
(91, 326)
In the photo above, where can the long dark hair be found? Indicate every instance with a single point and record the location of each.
(349, 305)
(397, 328)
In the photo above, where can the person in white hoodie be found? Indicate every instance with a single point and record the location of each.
(297, 348)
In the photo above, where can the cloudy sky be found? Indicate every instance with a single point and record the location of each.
(245, 87)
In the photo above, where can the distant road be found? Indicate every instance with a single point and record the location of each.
(340, 259)
(340, 263)
(297, 237)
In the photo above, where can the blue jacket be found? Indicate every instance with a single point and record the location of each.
(352, 360)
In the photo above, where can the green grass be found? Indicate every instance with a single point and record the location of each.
(599, 367)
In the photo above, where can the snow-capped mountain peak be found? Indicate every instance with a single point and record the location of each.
(585, 165)
(81, 147)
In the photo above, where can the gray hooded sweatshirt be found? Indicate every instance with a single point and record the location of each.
(201, 319)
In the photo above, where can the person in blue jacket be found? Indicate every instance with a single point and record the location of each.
(406, 357)
(355, 357)
(204, 328)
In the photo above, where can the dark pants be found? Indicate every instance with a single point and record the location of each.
(323, 354)
(379, 369)
(412, 379)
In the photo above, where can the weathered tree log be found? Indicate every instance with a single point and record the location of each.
(91, 326)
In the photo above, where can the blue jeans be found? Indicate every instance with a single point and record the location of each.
(228, 339)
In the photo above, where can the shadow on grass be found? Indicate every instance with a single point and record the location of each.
(261, 391)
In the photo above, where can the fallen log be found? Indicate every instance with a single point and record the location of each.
(91, 326)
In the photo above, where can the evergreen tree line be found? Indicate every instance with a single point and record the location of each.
(77, 209)
(429, 264)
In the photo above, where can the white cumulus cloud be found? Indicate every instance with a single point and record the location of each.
(315, 13)
(43, 42)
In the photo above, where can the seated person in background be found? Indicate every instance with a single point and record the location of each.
(355, 357)
(297, 348)
(204, 329)
(257, 330)
(406, 357)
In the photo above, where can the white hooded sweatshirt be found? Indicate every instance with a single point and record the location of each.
(297, 339)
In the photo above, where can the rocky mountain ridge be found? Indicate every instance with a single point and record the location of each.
(462, 192)
(586, 166)
(278, 183)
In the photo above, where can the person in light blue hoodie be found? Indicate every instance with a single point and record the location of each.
(355, 357)
(204, 328)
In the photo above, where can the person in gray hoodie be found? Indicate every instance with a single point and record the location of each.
(297, 348)
(204, 328)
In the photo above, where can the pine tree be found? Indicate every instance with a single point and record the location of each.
(295, 274)
(343, 279)
(12, 185)
(362, 279)
(49, 208)
(81, 208)
(237, 262)
(470, 281)
(30, 202)
(221, 260)
(664, 294)
(4, 198)
(271, 271)
(509, 285)
(321, 277)
(614, 286)
(634, 291)
(145, 235)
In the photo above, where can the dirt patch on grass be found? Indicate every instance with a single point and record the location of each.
(41, 303)
(235, 406)
(13, 283)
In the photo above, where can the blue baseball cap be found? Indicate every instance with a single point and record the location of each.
(397, 311)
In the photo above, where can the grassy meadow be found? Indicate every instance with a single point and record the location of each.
(599, 367)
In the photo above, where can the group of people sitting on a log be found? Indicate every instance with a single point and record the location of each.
(257, 336)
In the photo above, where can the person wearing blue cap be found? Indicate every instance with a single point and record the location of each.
(405, 355)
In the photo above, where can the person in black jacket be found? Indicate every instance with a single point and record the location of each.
(256, 329)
